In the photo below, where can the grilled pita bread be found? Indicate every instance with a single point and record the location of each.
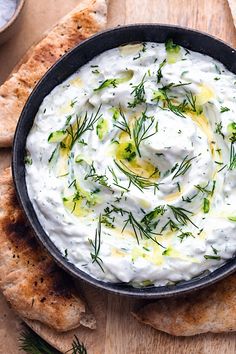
(85, 20)
(209, 310)
(94, 341)
(29, 279)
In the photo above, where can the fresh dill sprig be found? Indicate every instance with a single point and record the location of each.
(108, 221)
(83, 124)
(189, 199)
(177, 109)
(73, 102)
(204, 189)
(184, 235)
(191, 101)
(179, 187)
(123, 124)
(116, 180)
(218, 129)
(96, 245)
(143, 50)
(181, 215)
(139, 230)
(101, 179)
(224, 109)
(183, 167)
(216, 258)
(173, 226)
(217, 69)
(138, 93)
(138, 181)
(173, 85)
(68, 119)
(31, 343)
(159, 71)
(77, 347)
(54, 155)
(140, 130)
(215, 251)
(151, 219)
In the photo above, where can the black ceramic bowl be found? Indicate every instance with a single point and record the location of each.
(66, 66)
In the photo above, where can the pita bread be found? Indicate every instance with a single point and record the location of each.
(29, 279)
(232, 6)
(94, 341)
(209, 310)
(85, 20)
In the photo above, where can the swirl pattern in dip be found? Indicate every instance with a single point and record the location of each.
(131, 165)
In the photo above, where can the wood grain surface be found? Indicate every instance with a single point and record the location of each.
(118, 332)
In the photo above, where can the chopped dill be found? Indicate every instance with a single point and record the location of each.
(214, 250)
(188, 199)
(138, 181)
(218, 129)
(183, 167)
(73, 102)
(140, 230)
(141, 129)
(96, 245)
(204, 189)
(172, 225)
(101, 179)
(138, 93)
(123, 124)
(159, 71)
(107, 221)
(217, 69)
(217, 258)
(224, 109)
(143, 50)
(66, 253)
(177, 109)
(181, 215)
(83, 124)
(184, 235)
(150, 220)
(191, 101)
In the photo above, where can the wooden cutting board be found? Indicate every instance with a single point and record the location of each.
(118, 332)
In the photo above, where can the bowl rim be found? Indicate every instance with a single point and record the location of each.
(182, 287)
(17, 12)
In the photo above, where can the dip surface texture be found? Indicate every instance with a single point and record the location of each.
(131, 165)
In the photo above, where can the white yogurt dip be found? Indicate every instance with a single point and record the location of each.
(7, 10)
(131, 165)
